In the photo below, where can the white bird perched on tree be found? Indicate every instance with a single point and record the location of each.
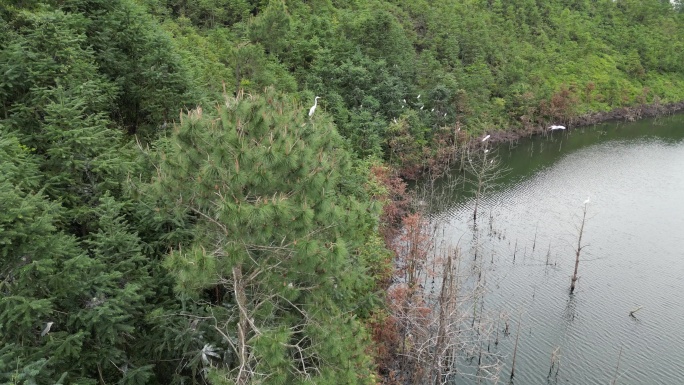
(47, 329)
(485, 138)
(418, 96)
(587, 201)
(313, 109)
(555, 127)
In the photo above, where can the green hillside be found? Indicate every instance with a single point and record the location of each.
(481, 65)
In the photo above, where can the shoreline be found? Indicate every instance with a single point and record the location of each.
(629, 114)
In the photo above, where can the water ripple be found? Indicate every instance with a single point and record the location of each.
(632, 256)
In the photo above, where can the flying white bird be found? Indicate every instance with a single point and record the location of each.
(313, 109)
(47, 329)
(485, 138)
(555, 127)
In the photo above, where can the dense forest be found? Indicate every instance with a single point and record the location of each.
(171, 214)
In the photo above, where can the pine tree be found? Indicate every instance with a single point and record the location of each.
(275, 261)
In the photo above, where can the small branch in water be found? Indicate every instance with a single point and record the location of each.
(515, 250)
(617, 367)
(631, 313)
(496, 340)
(515, 348)
(555, 360)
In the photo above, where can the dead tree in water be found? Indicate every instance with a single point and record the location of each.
(484, 168)
(430, 304)
(579, 247)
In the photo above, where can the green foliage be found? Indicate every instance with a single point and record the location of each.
(275, 196)
(205, 13)
(272, 28)
(57, 99)
(65, 313)
(135, 54)
(47, 278)
(253, 203)
(75, 280)
(115, 45)
(494, 63)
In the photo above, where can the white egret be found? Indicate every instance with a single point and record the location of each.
(555, 127)
(445, 114)
(404, 101)
(587, 201)
(421, 107)
(313, 109)
(485, 138)
(418, 96)
(47, 329)
(433, 110)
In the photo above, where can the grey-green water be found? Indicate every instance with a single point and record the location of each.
(634, 254)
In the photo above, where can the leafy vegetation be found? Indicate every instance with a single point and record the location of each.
(479, 65)
(169, 213)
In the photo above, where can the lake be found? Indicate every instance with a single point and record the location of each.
(632, 252)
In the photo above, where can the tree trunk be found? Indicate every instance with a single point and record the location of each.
(242, 326)
(579, 249)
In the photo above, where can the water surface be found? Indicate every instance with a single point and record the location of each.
(633, 252)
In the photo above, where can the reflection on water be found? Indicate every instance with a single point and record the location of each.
(634, 254)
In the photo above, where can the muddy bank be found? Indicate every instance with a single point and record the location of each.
(623, 113)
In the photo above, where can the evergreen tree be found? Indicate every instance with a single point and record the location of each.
(75, 282)
(70, 310)
(275, 265)
(57, 103)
